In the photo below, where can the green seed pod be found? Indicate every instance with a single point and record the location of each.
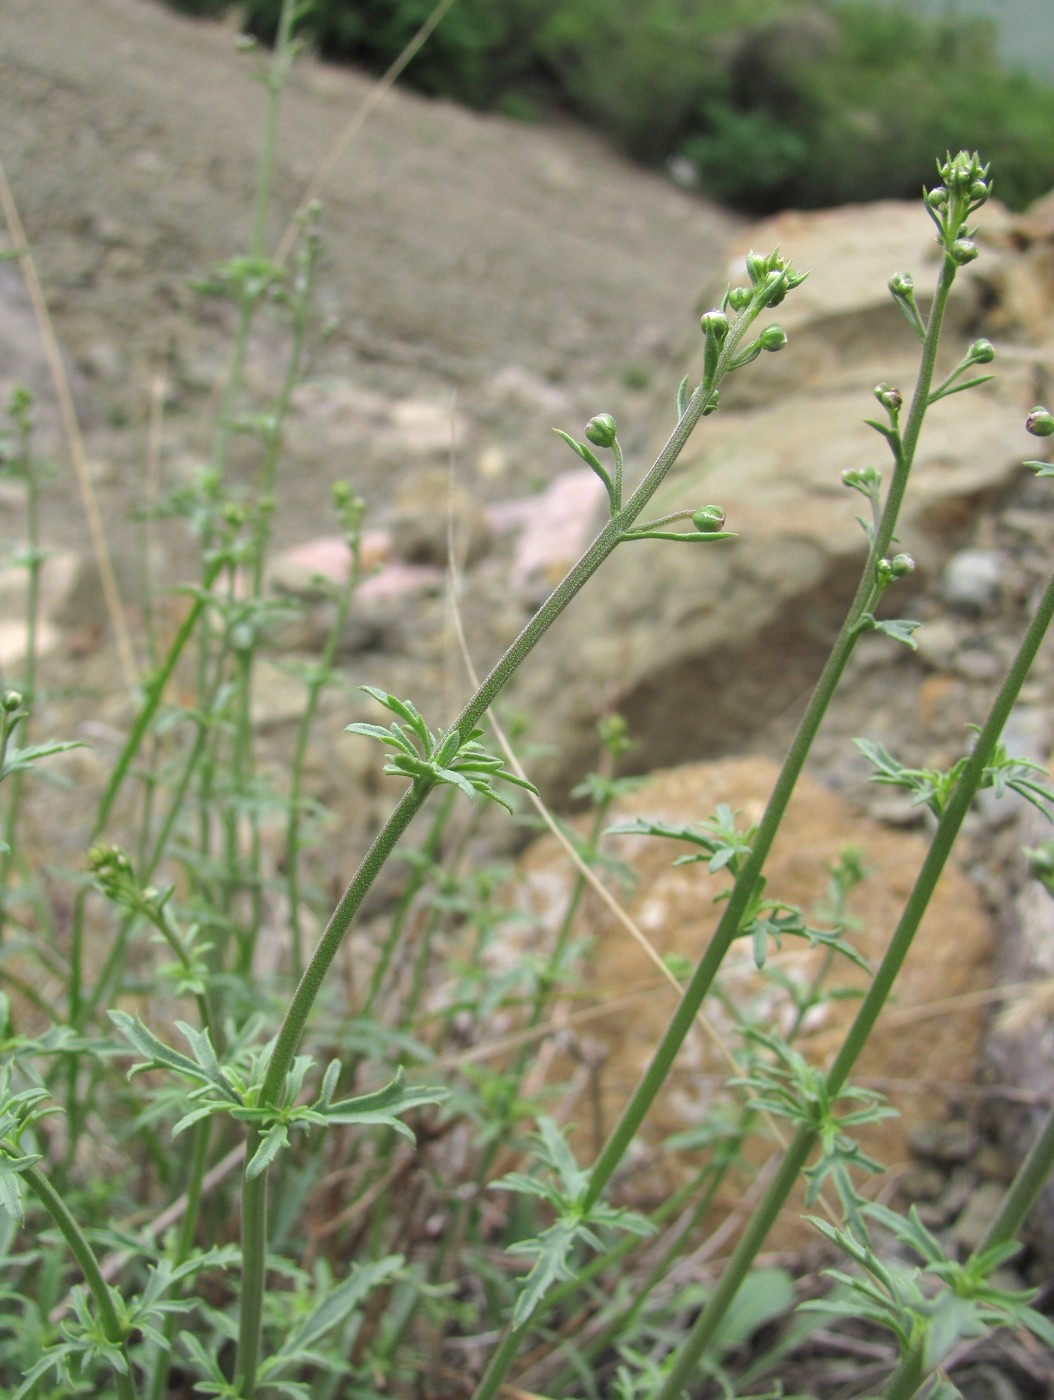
(1040, 422)
(601, 430)
(714, 325)
(708, 519)
(963, 251)
(773, 338)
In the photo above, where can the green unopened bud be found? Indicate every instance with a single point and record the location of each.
(901, 565)
(979, 191)
(937, 198)
(775, 288)
(713, 404)
(738, 298)
(902, 285)
(963, 251)
(888, 397)
(1040, 422)
(883, 572)
(714, 325)
(708, 518)
(601, 430)
(773, 338)
(981, 352)
(757, 267)
(12, 701)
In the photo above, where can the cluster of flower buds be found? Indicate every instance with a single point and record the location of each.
(891, 399)
(900, 566)
(964, 187)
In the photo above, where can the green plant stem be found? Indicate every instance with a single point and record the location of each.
(951, 820)
(34, 562)
(199, 1156)
(910, 1373)
(386, 840)
(1028, 1182)
(728, 926)
(82, 1251)
(254, 1269)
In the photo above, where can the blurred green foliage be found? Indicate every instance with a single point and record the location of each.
(772, 103)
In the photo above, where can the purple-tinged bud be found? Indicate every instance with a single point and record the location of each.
(963, 251)
(715, 324)
(1040, 422)
(889, 397)
(901, 565)
(708, 518)
(601, 430)
(773, 338)
(981, 352)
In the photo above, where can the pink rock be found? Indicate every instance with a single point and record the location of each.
(554, 528)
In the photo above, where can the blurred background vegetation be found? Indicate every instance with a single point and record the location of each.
(762, 104)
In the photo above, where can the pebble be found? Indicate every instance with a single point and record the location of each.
(972, 579)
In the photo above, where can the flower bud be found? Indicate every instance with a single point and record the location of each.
(775, 288)
(773, 338)
(901, 565)
(601, 430)
(1040, 422)
(715, 324)
(902, 285)
(12, 701)
(738, 298)
(889, 397)
(963, 251)
(712, 405)
(981, 352)
(937, 198)
(979, 191)
(757, 267)
(708, 518)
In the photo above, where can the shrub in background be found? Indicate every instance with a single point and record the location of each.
(776, 103)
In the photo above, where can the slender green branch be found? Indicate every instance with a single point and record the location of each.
(115, 1331)
(709, 1320)
(1028, 1182)
(775, 284)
